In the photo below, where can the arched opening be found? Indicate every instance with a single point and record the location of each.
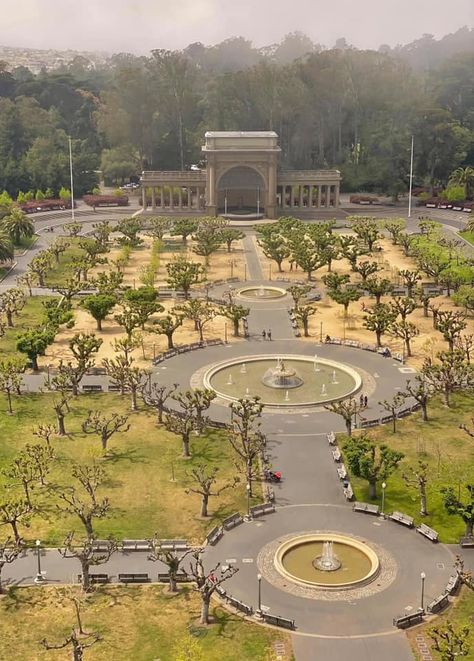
(241, 191)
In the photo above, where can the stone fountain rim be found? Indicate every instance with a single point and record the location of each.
(282, 293)
(229, 362)
(327, 537)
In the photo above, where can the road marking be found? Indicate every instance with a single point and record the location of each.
(265, 609)
(231, 561)
(376, 375)
(247, 561)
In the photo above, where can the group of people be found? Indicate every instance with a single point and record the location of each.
(267, 334)
(364, 400)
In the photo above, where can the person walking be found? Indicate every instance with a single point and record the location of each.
(264, 334)
(269, 334)
(366, 401)
(361, 399)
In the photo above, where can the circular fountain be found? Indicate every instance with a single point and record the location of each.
(327, 560)
(311, 381)
(261, 293)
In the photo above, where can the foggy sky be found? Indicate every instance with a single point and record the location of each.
(140, 25)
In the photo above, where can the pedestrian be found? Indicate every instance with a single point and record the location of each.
(361, 399)
(269, 334)
(366, 401)
(264, 334)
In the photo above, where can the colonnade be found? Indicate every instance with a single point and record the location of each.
(172, 197)
(308, 195)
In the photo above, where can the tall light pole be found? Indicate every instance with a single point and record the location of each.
(422, 576)
(39, 576)
(259, 579)
(384, 486)
(248, 501)
(258, 200)
(411, 176)
(72, 178)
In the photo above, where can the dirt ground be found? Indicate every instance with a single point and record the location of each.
(329, 319)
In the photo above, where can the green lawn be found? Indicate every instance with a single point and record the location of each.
(29, 317)
(59, 273)
(142, 463)
(140, 623)
(25, 243)
(449, 452)
(468, 236)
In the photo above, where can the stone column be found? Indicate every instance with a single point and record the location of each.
(180, 198)
(144, 197)
(292, 197)
(198, 198)
(328, 197)
(310, 196)
(270, 207)
(189, 197)
(211, 189)
(171, 198)
(300, 202)
(336, 196)
(153, 198)
(162, 197)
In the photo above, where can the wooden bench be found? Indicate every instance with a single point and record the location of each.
(261, 510)
(133, 578)
(232, 521)
(438, 604)
(95, 579)
(348, 493)
(331, 438)
(113, 387)
(181, 577)
(239, 605)
(214, 535)
(278, 621)
(466, 542)
(100, 545)
(402, 519)
(367, 508)
(95, 387)
(341, 471)
(428, 532)
(136, 545)
(405, 621)
(453, 584)
(336, 454)
(174, 544)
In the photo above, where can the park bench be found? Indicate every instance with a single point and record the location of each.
(239, 605)
(366, 508)
(113, 387)
(96, 387)
(466, 542)
(136, 545)
(100, 545)
(174, 544)
(261, 510)
(348, 493)
(278, 621)
(95, 371)
(341, 471)
(438, 604)
(405, 621)
(214, 535)
(232, 521)
(428, 532)
(453, 584)
(402, 519)
(336, 454)
(331, 438)
(181, 577)
(95, 579)
(133, 578)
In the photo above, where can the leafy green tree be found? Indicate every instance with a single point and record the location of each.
(450, 642)
(167, 326)
(200, 312)
(371, 462)
(464, 297)
(463, 177)
(235, 313)
(34, 343)
(6, 246)
(298, 293)
(450, 373)
(305, 253)
(451, 325)
(348, 409)
(456, 506)
(143, 302)
(303, 313)
(274, 247)
(406, 331)
(392, 406)
(367, 229)
(12, 302)
(402, 306)
(83, 346)
(184, 227)
(231, 234)
(410, 280)
(130, 227)
(395, 227)
(11, 379)
(183, 274)
(73, 229)
(18, 225)
(208, 239)
(158, 226)
(378, 287)
(99, 306)
(365, 269)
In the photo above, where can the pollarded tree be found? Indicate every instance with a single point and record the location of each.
(73, 229)
(303, 313)
(157, 396)
(126, 376)
(205, 481)
(99, 306)
(182, 424)
(18, 225)
(274, 247)
(450, 324)
(379, 319)
(15, 512)
(108, 284)
(365, 269)
(200, 312)
(40, 265)
(184, 227)
(451, 373)
(157, 226)
(245, 435)
(9, 552)
(208, 239)
(348, 409)
(451, 642)
(167, 326)
(41, 457)
(371, 462)
(130, 228)
(12, 302)
(344, 296)
(235, 313)
(417, 477)
(403, 306)
(83, 346)
(392, 406)
(395, 227)
(70, 288)
(34, 343)
(378, 287)
(367, 229)
(464, 297)
(406, 241)
(82, 498)
(305, 253)
(23, 472)
(421, 392)
(298, 293)
(172, 559)
(61, 385)
(58, 247)
(142, 301)
(105, 427)
(410, 280)
(182, 274)
(231, 234)
(11, 377)
(86, 552)
(101, 232)
(406, 331)
(207, 582)
(460, 507)
(465, 343)
(28, 280)
(196, 401)
(424, 297)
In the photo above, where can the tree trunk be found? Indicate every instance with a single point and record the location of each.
(201, 336)
(236, 328)
(424, 411)
(372, 489)
(9, 398)
(34, 362)
(133, 392)
(446, 394)
(104, 440)
(186, 452)
(16, 534)
(61, 427)
(394, 422)
(170, 340)
(378, 335)
(205, 609)
(408, 346)
(173, 586)
(75, 387)
(348, 422)
(99, 324)
(423, 510)
(469, 527)
(280, 270)
(86, 580)
(425, 308)
(9, 314)
(159, 419)
(204, 503)
(305, 326)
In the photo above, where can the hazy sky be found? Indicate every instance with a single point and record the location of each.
(141, 25)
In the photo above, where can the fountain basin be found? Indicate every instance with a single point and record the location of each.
(313, 387)
(295, 560)
(262, 293)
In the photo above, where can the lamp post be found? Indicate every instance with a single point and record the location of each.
(384, 486)
(270, 271)
(225, 332)
(259, 579)
(245, 271)
(39, 576)
(321, 332)
(72, 179)
(422, 576)
(411, 177)
(248, 501)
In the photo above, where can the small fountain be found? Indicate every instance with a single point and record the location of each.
(316, 368)
(282, 376)
(247, 392)
(323, 389)
(328, 560)
(287, 396)
(261, 291)
(243, 369)
(229, 380)
(334, 378)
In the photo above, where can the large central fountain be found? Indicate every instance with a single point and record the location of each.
(291, 380)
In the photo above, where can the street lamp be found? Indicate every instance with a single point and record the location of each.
(248, 500)
(245, 271)
(422, 576)
(39, 576)
(270, 271)
(384, 486)
(259, 579)
(225, 332)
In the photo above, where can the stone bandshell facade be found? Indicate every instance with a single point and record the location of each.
(241, 175)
